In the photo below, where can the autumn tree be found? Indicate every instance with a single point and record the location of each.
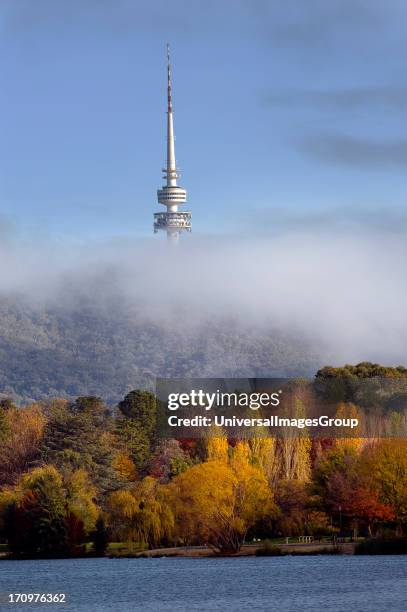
(142, 514)
(217, 447)
(168, 460)
(352, 439)
(294, 448)
(386, 465)
(263, 453)
(348, 490)
(291, 499)
(122, 508)
(44, 516)
(216, 504)
(22, 431)
(124, 466)
(80, 496)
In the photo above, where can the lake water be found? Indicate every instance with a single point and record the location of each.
(288, 584)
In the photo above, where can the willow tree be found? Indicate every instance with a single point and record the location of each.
(216, 503)
(143, 514)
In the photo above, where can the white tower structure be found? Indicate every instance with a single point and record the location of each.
(171, 194)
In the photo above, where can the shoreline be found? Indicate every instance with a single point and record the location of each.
(247, 550)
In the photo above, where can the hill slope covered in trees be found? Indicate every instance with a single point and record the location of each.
(107, 349)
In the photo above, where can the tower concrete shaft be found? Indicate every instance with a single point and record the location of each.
(171, 194)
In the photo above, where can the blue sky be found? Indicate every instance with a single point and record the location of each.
(287, 114)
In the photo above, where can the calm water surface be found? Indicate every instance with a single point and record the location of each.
(288, 584)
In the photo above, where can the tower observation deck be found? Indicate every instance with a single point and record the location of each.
(171, 195)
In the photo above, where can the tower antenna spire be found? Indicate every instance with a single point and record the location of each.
(171, 194)
(169, 78)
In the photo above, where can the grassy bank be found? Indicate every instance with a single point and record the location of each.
(265, 549)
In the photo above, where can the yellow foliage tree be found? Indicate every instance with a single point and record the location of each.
(353, 441)
(155, 519)
(216, 504)
(80, 498)
(77, 487)
(125, 466)
(217, 448)
(143, 514)
(385, 462)
(20, 448)
(263, 454)
(294, 448)
(122, 508)
(240, 456)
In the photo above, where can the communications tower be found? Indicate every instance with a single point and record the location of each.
(171, 195)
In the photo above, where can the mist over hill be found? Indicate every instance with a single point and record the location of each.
(105, 318)
(86, 350)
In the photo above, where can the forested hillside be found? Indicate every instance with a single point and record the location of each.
(108, 349)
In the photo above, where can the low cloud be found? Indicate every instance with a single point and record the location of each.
(343, 293)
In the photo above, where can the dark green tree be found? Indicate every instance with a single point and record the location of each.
(100, 537)
(140, 406)
(80, 435)
(136, 426)
(365, 384)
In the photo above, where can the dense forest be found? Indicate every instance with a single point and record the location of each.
(93, 347)
(79, 473)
